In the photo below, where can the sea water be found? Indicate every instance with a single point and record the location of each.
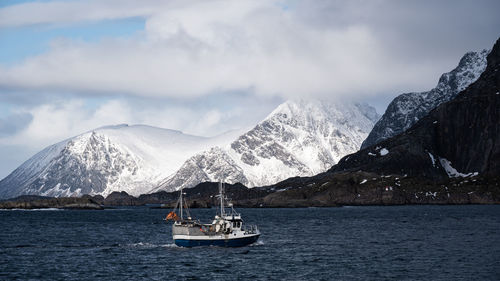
(347, 243)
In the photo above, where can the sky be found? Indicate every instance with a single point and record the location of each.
(206, 67)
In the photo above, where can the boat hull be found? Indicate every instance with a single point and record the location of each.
(220, 242)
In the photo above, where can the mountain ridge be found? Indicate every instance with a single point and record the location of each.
(406, 109)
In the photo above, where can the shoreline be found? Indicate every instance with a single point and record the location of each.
(112, 207)
(340, 189)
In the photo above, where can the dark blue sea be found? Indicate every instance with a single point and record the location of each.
(348, 243)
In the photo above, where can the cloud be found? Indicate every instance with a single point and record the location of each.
(287, 49)
(45, 124)
(204, 67)
(14, 123)
(64, 12)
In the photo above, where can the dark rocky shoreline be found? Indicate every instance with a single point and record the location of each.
(324, 190)
(41, 202)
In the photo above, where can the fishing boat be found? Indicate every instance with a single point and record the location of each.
(226, 230)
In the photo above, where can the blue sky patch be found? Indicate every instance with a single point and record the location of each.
(5, 3)
(19, 43)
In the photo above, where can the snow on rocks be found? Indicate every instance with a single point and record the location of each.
(452, 172)
(433, 160)
(429, 193)
(381, 152)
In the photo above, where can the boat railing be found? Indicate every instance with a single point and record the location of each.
(250, 229)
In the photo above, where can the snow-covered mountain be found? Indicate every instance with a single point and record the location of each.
(299, 138)
(406, 109)
(116, 158)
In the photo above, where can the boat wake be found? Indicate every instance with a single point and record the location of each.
(172, 245)
(258, 243)
(146, 245)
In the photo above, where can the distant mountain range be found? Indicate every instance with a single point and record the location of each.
(298, 138)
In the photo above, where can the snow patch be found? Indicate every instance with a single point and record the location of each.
(433, 194)
(363, 181)
(452, 172)
(432, 159)
(384, 152)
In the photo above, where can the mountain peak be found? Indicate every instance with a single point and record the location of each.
(310, 112)
(299, 138)
(111, 158)
(406, 109)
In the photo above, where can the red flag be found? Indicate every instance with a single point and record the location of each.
(172, 216)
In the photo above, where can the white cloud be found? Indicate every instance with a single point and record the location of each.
(198, 48)
(63, 12)
(56, 121)
(208, 120)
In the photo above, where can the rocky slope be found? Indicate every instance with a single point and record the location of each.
(406, 109)
(299, 138)
(460, 137)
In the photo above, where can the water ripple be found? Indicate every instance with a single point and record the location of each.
(360, 243)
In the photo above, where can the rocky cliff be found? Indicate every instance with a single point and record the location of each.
(406, 109)
(458, 138)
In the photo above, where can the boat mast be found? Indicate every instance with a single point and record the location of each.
(181, 203)
(221, 194)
